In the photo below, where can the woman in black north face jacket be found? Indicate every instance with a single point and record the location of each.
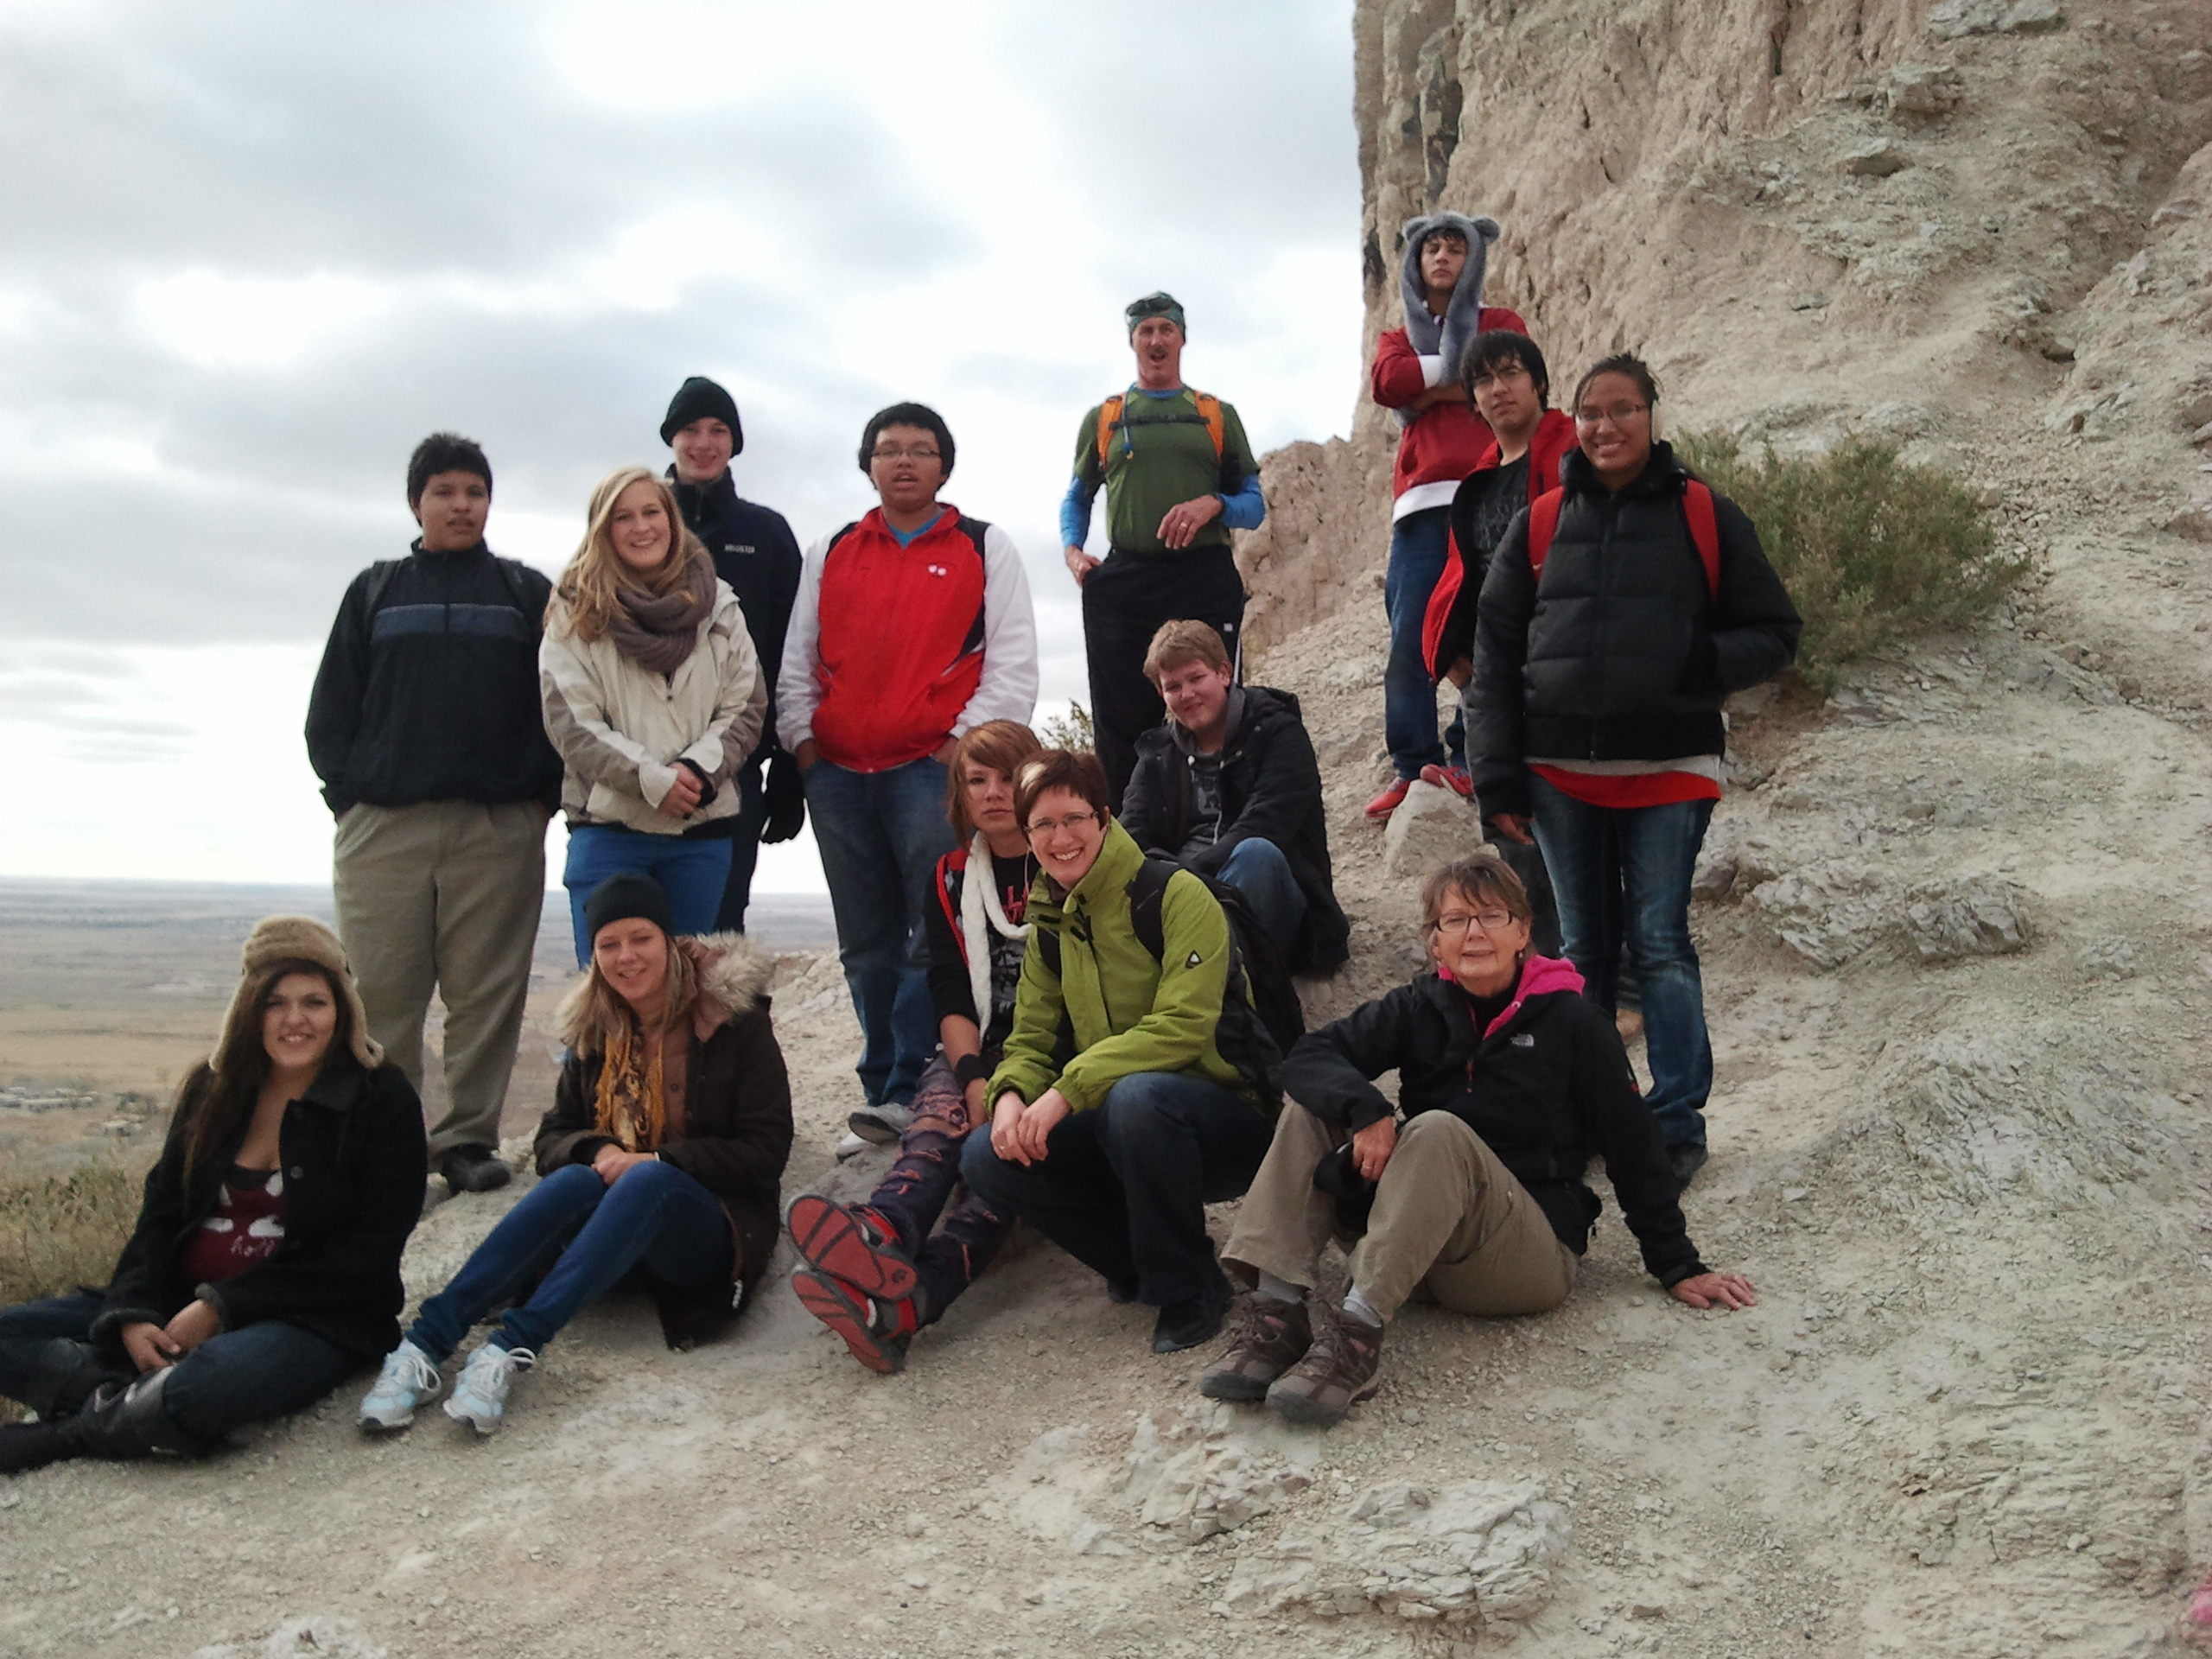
(1594, 719)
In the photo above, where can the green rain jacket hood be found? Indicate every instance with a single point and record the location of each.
(1126, 1012)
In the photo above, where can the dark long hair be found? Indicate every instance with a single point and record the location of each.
(217, 1101)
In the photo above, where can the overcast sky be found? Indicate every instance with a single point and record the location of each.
(255, 252)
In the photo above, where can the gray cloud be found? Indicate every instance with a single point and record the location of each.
(436, 158)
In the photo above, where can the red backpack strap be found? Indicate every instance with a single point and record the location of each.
(1442, 599)
(1543, 525)
(948, 867)
(1704, 531)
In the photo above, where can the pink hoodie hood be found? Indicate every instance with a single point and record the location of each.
(1538, 975)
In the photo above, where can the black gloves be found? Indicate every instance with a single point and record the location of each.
(786, 797)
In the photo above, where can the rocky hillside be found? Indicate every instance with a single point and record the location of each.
(1812, 216)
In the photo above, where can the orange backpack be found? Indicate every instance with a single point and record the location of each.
(1110, 420)
(1697, 507)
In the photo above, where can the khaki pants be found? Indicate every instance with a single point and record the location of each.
(445, 896)
(1447, 1214)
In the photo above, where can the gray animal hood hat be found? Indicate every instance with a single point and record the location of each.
(1462, 318)
(293, 938)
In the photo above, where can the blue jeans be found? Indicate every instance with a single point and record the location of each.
(1256, 868)
(1419, 542)
(880, 835)
(582, 1235)
(693, 873)
(1657, 848)
(744, 850)
(235, 1377)
(1123, 1188)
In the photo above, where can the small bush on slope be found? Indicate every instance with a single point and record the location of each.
(58, 1232)
(1870, 549)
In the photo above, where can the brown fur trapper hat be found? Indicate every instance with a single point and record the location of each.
(293, 938)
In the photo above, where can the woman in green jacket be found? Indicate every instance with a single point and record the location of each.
(1117, 1117)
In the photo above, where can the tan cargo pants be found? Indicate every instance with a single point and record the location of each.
(445, 896)
(1447, 1214)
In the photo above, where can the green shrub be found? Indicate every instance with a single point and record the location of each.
(1072, 731)
(58, 1232)
(1872, 549)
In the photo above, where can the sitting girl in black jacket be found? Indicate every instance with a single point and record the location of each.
(264, 1268)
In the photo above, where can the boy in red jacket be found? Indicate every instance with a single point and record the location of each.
(912, 627)
(1416, 375)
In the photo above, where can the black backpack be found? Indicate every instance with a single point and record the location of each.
(1253, 1033)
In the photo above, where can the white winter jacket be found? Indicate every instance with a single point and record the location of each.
(621, 729)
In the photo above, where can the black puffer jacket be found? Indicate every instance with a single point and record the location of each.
(1622, 652)
(1271, 789)
(1547, 1089)
(354, 1158)
(753, 551)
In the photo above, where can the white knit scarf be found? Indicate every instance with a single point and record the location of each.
(979, 908)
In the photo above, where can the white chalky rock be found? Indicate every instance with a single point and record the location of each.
(1830, 911)
(1432, 826)
(1195, 1470)
(1477, 1552)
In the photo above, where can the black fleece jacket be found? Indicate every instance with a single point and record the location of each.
(737, 1138)
(1547, 1091)
(354, 1158)
(1622, 652)
(1271, 789)
(753, 551)
(428, 687)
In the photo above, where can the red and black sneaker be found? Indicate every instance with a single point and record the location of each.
(852, 1243)
(877, 1332)
(1454, 779)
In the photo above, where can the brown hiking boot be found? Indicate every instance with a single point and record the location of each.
(1337, 1372)
(1269, 1338)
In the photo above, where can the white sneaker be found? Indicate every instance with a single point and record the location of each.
(479, 1393)
(410, 1378)
(851, 1146)
(883, 1124)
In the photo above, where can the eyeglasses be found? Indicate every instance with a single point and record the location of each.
(1618, 414)
(902, 454)
(1073, 821)
(1502, 371)
(1454, 923)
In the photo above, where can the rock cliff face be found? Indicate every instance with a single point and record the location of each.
(1810, 215)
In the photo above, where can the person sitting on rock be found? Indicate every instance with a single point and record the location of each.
(1509, 1084)
(1137, 1088)
(1594, 709)
(876, 1274)
(264, 1269)
(1228, 785)
(670, 1127)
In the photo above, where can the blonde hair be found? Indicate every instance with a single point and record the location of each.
(1181, 642)
(593, 1013)
(584, 601)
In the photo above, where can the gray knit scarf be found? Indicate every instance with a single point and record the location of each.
(659, 631)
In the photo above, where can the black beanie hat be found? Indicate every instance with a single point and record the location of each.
(694, 400)
(623, 896)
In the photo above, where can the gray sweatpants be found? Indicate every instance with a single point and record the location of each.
(445, 896)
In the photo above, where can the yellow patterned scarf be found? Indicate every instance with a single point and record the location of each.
(631, 1107)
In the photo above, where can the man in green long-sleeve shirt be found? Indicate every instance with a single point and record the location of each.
(1113, 1151)
(1179, 476)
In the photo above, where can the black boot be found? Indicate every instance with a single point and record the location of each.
(121, 1421)
(66, 1375)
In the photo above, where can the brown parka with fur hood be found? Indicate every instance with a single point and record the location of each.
(736, 1136)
